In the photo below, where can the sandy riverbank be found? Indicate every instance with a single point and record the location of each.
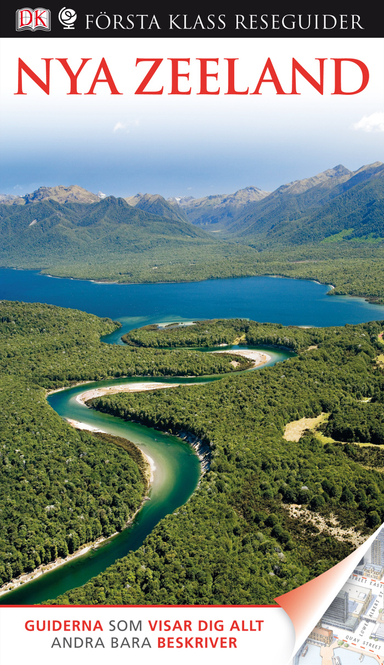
(46, 568)
(257, 357)
(89, 428)
(123, 388)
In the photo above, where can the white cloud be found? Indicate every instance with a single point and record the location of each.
(126, 125)
(371, 123)
(119, 125)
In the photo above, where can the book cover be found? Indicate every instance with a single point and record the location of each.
(191, 226)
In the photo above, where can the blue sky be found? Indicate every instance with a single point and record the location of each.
(184, 145)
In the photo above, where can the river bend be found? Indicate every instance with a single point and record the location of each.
(176, 476)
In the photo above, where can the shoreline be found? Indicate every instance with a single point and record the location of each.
(58, 390)
(258, 358)
(60, 561)
(48, 567)
(140, 386)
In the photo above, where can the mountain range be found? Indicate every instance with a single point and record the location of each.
(308, 210)
(301, 211)
(45, 225)
(157, 205)
(218, 211)
(313, 209)
(55, 228)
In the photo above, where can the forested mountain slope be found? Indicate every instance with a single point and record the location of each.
(292, 216)
(157, 205)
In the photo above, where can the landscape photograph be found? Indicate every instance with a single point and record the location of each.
(192, 332)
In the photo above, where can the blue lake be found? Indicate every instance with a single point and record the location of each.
(277, 300)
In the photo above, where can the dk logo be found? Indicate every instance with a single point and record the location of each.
(33, 19)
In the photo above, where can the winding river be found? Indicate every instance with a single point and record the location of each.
(177, 471)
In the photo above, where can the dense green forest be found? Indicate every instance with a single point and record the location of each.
(60, 487)
(236, 541)
(217, 332)
(357, 422)
(354, 269)
(55, 347)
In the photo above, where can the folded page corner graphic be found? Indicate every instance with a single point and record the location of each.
(306, 605)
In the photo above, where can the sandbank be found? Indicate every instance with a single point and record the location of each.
(89, 428)
(45, 568)
(123, 388)
(257, 357)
